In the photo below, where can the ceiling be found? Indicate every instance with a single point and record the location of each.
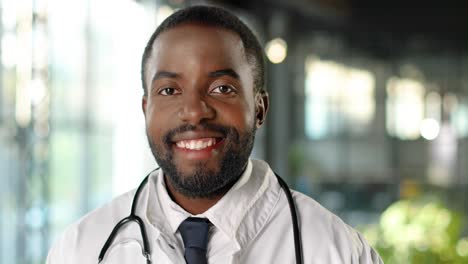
(399, 26)
(408, 17)
(379, 25)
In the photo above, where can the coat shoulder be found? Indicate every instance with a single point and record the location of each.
(82, 237)
(342, 241)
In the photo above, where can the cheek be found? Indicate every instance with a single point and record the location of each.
(241, 116)
(250, 119)
(249, 114)
(155, 123)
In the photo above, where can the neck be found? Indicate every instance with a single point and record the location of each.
(192, 205)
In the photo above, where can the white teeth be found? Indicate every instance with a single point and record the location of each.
(196, 144)
(199, 144)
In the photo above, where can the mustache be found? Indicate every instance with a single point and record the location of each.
(224, 130)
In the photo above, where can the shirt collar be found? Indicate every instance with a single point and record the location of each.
(248, 203)
(162, 211)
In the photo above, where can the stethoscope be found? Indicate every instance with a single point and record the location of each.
(146, 248)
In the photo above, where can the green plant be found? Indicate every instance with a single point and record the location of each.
(419, 230)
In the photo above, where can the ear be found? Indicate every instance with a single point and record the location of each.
(144, 101)
(261, 107)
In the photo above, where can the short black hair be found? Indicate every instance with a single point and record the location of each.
(217, 17)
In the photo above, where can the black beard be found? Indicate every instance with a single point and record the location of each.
(205, 183)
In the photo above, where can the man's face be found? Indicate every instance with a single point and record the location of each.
(201, 111)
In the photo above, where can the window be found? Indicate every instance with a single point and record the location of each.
(405, 107)
(339, 98)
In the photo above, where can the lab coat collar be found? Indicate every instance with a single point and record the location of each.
(240, 214)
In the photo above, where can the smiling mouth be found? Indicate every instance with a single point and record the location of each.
(198, 144)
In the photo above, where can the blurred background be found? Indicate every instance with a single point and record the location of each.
(369, 114)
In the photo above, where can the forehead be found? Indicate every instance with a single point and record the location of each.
(189, 43)
(194, 31)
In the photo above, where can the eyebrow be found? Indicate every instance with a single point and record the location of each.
(213, 74)
(165, 74)
(223, 72)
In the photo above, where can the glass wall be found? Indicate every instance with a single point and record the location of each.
(71, 127)
(382, 142)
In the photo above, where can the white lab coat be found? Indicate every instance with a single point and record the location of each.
(262, 234)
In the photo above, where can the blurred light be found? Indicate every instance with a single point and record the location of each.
(163, 12)
(276, 50)
(429, 128)
(37, 91)
(23, 106)
(9, 9)
(24, 10)
(460, 120)
(323, 79)
(40, 54)
(462, 247)
(405, 107)
(24, 63)
(337, 92)
(40, 7)
(359, 95)
(9, 50)
(35, 217)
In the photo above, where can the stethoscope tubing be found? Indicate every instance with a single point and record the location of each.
(131, 218)
(146, 248)
(293, 209)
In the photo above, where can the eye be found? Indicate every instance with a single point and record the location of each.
(168, 91)
(223, 89)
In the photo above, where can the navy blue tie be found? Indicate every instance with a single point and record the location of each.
(194, 233)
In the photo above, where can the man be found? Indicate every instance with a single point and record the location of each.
(202, 74)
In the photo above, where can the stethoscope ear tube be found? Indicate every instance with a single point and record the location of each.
(292, 208)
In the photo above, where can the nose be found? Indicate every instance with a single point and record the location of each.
(195, 109)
